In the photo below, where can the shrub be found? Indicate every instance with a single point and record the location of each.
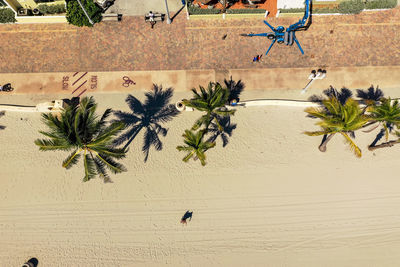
(245, 11)
(375, 4)
(351, 7)
(195, 10)
(76, 16)
(51, 9)
(7, 15)
(43, 8)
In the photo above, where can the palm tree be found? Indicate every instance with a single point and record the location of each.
(211, 101)
(386, 114)
(1, 115)
(195, 146)
(155, 110)
(338, 118)
(79, 129)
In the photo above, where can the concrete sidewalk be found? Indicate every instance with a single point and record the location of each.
(280, 79)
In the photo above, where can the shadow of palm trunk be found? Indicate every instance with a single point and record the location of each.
(377, 138)
(132, 137)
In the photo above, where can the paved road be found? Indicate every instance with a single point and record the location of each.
(369, 39)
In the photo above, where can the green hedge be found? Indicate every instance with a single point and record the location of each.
(196, 10)
(75, 15)
(377, 4)
(351, 7)
(51, 9)
(7, 15)
(348, 7)
(245, 11)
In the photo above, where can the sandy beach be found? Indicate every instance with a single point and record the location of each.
(269, 198)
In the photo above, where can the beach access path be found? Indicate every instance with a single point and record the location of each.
(367, 39)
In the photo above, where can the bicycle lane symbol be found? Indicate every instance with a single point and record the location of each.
(127, 81)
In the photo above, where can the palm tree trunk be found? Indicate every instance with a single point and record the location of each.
(386, 144)
(325, 140)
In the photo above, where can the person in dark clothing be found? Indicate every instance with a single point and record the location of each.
(187, 215)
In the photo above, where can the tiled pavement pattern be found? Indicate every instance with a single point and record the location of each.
(371, 38)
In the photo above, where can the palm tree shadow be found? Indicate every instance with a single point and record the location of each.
(227, 130)
(235, 89)
(1, 115)
(149, 116)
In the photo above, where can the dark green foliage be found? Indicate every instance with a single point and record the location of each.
(76, 16)
(377, 4)
(201, 11)
(351, 7)
(212, 102)
(78, 129)
(195, 146)
(7, 15)
(348, 7)
(51, 9)
(245, 11)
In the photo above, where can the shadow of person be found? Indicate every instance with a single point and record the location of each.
(33, 262)
(149, 116)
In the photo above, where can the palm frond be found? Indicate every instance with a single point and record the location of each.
(352, 145)
(109, 132)
(46, 144)
(72, 159)
(101, 170)
(112, 165)
(90, 168)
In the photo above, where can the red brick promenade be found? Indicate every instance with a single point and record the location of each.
(368, 39)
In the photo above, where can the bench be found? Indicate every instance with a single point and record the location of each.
(157, 17)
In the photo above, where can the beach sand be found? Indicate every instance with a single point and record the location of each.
(269, 198)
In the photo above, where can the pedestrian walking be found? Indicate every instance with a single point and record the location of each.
(259, 58)
(187, 215)
(255, 59)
